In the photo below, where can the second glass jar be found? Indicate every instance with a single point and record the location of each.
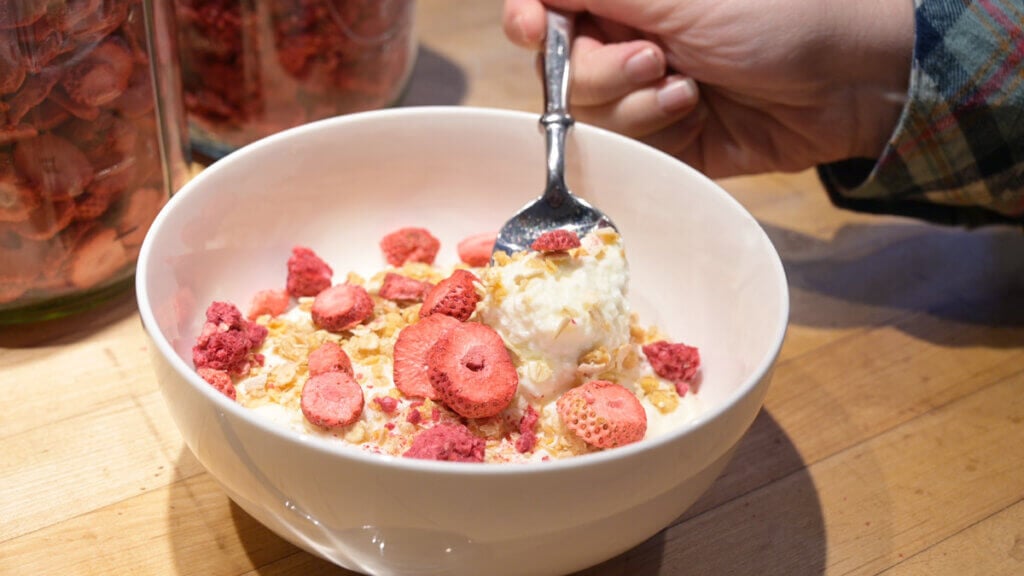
(251, 68)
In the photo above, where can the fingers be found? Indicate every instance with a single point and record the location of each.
(645, 111)
(602, 73)
(524, 22)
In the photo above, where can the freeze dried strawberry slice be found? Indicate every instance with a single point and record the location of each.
(447, 442)
(676, 362)
(220, 380)
(96, 258)
(332, 400)
(454, 296)
(101, 77)
(603, 414)
(307, 273)
(270, 301)
(410, 245)
(398, 288)
(56, 166)
(556, 241)
(414, 342)
(329, 357)
(341, 307)
(471, 370)
(476, 250)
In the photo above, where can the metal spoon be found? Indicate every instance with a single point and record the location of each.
(557, 207)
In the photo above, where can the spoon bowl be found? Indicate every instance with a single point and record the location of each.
(557, 207)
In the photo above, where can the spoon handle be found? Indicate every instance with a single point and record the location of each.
(556, 119)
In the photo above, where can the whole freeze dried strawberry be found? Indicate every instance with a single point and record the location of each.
(398, 288)
(220, 380)
(341, 307)
(332, 400)
(556, 241)
(412, 346)
(307, 273)
(329, 357)
(448, 442)
(471, 370)
(271, 301)
(454, 296)
(476, 250)
(409, 245)
(603, 414)
(676, 362)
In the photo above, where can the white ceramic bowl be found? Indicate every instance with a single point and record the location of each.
(702, 269)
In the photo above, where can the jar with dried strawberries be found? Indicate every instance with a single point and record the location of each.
(93, 140)
(250, 69)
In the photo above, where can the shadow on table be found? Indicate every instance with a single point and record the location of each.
(867, 271)
(761, 516)
(434, 81)
(71, 328)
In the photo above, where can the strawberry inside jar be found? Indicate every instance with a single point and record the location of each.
(254, 68)
(83, 151)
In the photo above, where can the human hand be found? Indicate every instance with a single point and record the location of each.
(737, 86)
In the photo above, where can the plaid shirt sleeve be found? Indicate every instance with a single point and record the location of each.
(957, 154)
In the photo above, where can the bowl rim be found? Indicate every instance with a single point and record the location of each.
(336, 449)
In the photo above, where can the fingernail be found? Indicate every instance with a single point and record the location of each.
(643, 66)
(677, 94)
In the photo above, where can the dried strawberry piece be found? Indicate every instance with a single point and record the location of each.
(97, 257)
(476, 250)
(93, 25)
(33, 91)
(270, 301)
(603, 414)
(447, 442)
(454, 296)
(10, 134)
(227, 341)
(220, 380)
(414, 342)
(102, 76)
(17, 199)
(53, 164)
(47, 220)
(332, 400)
(48, 115)
(341, 307)
(387, 404)
(471, 370)
(137, 99)
(13, 70)
(409, 245)
(308, 275)
(398, 288)
(77, 109)
(21, 12)
(329, 357)
(556, 241)
(527, 440)
(674, 361)
(138, 210)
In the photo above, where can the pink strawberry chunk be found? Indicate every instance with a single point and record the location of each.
(398, 288)
(307, 273)
(448, 442)
(219, 379)
(228, 341)
(454, 296)
(676, 362)
(409, 245)
(472, 372)
(332, 400)
(329, 357)
(603, 414)
(476, 250)
(341, 307)
(556, 241)
(271, 302)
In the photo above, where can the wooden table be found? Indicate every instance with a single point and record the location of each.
(892, 440)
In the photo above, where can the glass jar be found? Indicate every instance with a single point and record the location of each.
(252, 68)
(92, 143)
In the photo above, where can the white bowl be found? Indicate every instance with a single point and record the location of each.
(702, 269)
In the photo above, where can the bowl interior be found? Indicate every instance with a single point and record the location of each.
(702, 268)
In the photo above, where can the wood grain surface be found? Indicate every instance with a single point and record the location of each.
(891, 442)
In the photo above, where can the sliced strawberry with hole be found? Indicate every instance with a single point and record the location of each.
(471, 370)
